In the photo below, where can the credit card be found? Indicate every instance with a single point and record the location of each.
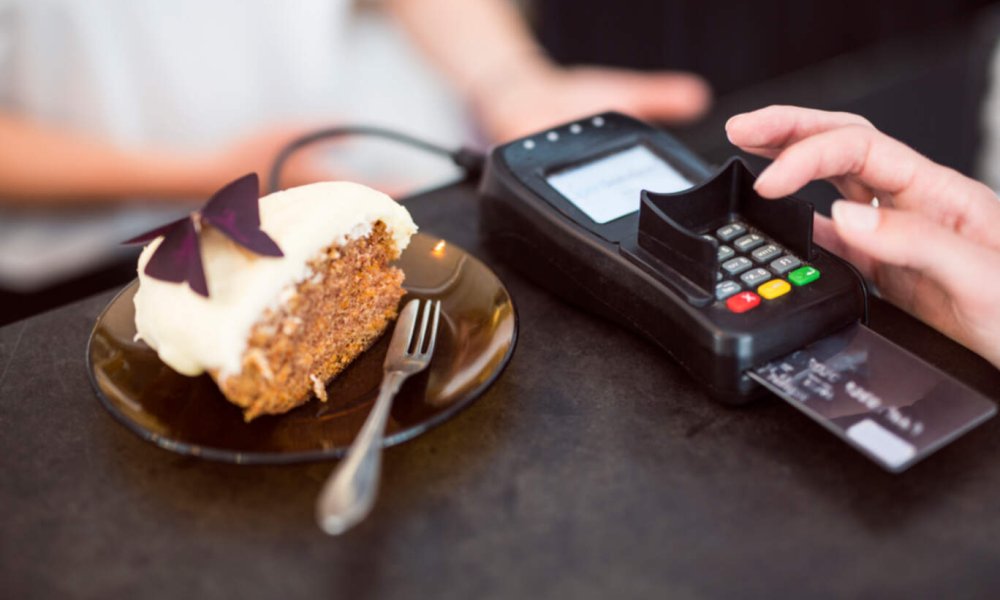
(891, 405)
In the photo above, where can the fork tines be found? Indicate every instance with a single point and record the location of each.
(430, 311)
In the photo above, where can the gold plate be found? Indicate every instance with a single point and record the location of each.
(189, 415)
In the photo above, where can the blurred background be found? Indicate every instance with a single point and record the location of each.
(189, 77)
(918, 69)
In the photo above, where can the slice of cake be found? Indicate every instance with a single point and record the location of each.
(274, 330)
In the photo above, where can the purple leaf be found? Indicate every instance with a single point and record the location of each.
(178, 257)
(235, 211)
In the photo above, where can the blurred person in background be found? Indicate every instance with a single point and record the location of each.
(106, 105)
(115, 99)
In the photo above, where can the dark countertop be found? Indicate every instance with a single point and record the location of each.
(593, 468)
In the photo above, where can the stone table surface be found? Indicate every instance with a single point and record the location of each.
(593, 468)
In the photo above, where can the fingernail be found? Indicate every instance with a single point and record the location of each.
(730, 121)
(851, 215)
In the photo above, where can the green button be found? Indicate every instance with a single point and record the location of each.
(803, 275)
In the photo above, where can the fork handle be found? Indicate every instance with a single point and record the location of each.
(349, 493)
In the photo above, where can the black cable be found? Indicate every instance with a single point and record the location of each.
(466, 158)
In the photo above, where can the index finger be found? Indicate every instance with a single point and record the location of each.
(767, 131)
(890, 167)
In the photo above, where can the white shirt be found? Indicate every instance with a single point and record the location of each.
(186, 73)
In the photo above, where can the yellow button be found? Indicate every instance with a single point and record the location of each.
(774, 288)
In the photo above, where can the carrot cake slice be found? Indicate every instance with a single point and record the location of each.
(273, 330)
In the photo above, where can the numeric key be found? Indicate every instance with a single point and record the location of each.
(766, 253)
(728, 232)
(737, 265)
(748, 242)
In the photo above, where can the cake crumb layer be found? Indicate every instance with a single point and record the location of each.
(326, 321)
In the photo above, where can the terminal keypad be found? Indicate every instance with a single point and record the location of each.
(753, 267)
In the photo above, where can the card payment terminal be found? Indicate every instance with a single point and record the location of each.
(720, 278)
(618, 217)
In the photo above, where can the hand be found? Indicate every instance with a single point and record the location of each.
(535, 98)
(933, 244)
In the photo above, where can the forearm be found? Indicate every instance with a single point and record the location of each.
(39, 164)
(478, 44)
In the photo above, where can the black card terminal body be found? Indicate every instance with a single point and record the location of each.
(720, 278)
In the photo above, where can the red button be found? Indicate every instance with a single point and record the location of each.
(742, 302)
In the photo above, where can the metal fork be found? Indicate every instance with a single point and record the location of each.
(349, 493)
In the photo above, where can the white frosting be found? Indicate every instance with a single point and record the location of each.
(193, 334)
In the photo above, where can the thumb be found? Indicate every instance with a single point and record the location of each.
(668, 96)
(908, 239)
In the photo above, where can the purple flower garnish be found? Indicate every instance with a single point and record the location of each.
(234, 210)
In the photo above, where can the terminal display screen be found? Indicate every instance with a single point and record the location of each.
(608, 188)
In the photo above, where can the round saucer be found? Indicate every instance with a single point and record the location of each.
(188, 415)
